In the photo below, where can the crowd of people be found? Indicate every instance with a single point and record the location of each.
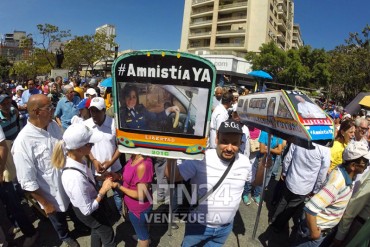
(58, 146)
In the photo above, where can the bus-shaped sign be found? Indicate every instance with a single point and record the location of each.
(162, 103)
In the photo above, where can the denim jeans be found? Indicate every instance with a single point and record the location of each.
(14, 209)
(303, 238)
(200, 235)
(59, 222)
(140, 224)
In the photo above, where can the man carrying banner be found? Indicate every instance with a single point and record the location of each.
(218, 182)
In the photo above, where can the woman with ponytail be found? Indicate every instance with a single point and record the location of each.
(79, 183)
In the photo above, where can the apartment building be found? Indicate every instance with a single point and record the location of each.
(108, 30)
(11, 48)
(233, 27)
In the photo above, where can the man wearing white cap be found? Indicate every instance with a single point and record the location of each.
(104, 155)
(211, 220)
(325, 209)
(22, 107)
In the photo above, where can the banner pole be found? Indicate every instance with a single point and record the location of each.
(263, 189)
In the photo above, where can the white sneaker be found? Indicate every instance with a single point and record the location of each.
(30, 241)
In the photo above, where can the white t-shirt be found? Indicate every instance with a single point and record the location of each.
(105, 149)
(219, 115)
(220, 207)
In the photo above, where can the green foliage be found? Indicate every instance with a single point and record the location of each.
(23, 70)
(4, 67)
(88, 49)
(350, 67)
(270, 59)
(49, 35)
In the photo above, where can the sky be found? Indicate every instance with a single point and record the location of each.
(156, 24)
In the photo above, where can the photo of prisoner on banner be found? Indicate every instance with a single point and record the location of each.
(162, 108)
(304, 105)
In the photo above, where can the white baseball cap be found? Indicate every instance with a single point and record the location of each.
(97, 102)
(19, 87)
(355, 150)
(78, 135)
(91, 91)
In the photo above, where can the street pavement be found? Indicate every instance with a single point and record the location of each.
(241, 235)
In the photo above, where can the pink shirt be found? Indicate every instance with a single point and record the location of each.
(254, 133)
(130, 181)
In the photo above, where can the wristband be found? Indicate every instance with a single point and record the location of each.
(101, 196)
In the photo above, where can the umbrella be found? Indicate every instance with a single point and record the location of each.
(260, 74)
(107, 82)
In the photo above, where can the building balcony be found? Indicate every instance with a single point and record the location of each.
(237, 5)
(283, 4)
(281, 25)
(232, 19)
(201, 23)
(198, 35)
(230, 33)
(198, 3)
(201, 12)
(281, 36)
(229, 45)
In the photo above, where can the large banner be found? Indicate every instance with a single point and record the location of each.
(290, 115)
(162, 103)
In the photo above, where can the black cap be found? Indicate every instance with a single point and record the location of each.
(230, 126)
(2, 97)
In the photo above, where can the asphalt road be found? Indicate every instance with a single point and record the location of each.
(241, 235)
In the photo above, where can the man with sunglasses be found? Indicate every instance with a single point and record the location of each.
(32, 150)
(326, 208)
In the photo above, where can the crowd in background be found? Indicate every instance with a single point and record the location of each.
(68, 122)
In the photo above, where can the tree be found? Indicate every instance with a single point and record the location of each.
(23, 70)
(271, 59)
(88, 49)
(350, 67)
(295, 73)
(49, 35)
(4, 67)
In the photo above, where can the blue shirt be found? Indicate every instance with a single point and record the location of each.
(66, 110)
(275, 141)
(27, 94)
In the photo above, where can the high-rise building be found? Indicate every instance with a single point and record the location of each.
(108, 30)
(297, 38)
(233, 27)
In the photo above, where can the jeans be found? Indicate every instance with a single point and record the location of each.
(201, 235)
(14, 209)
(59, 222)
(140, 224)
(101, 231)
(275, 167)
(303, 238)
